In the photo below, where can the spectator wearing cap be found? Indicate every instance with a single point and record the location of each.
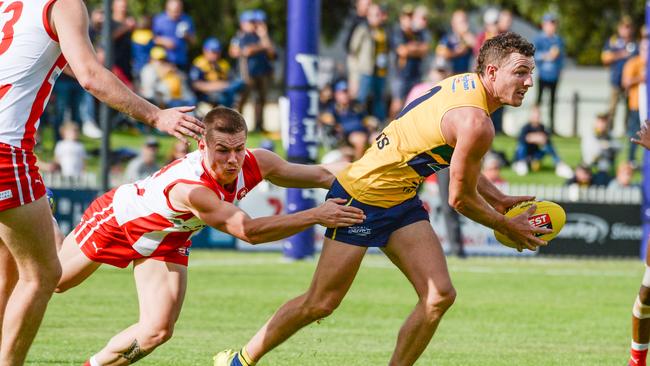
(347, 119)
(163, 84)
(549, 57)
(211, 76)
(370, 48)
(144, 164)
(617, 50)
(456, 46)
(174, 30)
(633, 75)
(411, 44)
(255, 51)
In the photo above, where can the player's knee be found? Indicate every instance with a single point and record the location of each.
(644, 295)
(47, 277)
(644, 292)
(64, 286)
(155, 336)
(322, 307)
(436, 304)
(163, 335)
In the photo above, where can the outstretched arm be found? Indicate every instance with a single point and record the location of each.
(282, 173)
(69, 19)
(225, 216)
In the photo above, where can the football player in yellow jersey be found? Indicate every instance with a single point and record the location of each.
(449, 126)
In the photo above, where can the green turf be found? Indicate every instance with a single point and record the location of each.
(508, 312)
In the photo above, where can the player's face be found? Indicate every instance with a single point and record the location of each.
(224, 156)
(513, 78)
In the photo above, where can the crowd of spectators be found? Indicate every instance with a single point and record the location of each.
(392, 57)
(151, 55)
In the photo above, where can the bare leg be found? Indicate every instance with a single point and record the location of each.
(416, 251)
(337, 267)
(8, 280)
(161, 290)
(76, 266)
(641, 327)
(27, 233)
(641, 321)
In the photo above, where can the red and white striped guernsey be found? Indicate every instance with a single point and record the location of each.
(145, 216)
(30, 63)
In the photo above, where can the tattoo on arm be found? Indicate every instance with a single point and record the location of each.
(134, 353)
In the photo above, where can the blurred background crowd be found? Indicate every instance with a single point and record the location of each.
(381, 57)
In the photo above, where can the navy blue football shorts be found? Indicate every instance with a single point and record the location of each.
(380, 222)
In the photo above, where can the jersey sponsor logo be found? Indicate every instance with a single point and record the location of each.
(466, 81)
(359, 230)
(184, 251)
(6, 194)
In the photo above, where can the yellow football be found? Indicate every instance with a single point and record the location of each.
(547, 215)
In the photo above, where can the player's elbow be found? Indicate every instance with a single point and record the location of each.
(254, 239)
(88, 75)
(458, 202)
(251, 234)
(87, 81)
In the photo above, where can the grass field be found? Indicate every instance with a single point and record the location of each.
(536, 311)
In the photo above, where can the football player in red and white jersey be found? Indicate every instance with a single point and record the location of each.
(150, 223)
(39, 37)
(641, 308)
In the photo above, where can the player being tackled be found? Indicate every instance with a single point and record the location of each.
(447, 127)
(150, 223)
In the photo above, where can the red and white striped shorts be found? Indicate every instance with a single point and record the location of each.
(103, 240)
(20, 182)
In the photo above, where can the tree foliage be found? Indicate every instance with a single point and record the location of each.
(584, 24)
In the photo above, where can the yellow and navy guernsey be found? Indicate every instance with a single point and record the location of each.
(412, 146)
(205, 70)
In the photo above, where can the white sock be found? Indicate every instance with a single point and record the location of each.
(93, 361)
(635, 346)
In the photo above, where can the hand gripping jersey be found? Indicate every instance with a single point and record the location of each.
(412, 146)
(137, 220)
(30, 62)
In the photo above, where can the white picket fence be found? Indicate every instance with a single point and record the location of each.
(631, 195)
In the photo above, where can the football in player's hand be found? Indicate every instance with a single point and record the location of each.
(547, 215)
